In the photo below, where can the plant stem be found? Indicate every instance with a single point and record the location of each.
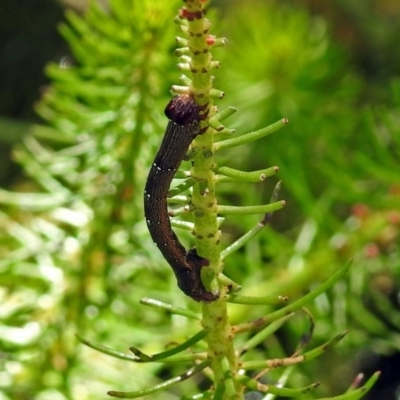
(215, 316)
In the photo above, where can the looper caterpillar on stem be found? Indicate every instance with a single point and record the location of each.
(182, 128)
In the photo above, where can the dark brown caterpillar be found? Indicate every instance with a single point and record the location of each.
(182, 128)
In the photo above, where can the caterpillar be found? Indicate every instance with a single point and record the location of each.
(182, 128)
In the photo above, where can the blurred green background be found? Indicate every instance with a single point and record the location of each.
(76, 140)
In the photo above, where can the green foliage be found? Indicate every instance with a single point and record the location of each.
(283, 64)
(75, 240)
(337, 155)
(76, 256)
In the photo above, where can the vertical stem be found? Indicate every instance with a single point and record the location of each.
(206, 232)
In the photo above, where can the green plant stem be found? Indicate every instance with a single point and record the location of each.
(242, 176)
(168, 307)
(171, 352)
(254, 385)
(262, 335)
(265, 208)
(296, 305)
(250, 137)
(280, 362)
(267, 300)
(162, 386)
(254, 231)
(206, 228)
